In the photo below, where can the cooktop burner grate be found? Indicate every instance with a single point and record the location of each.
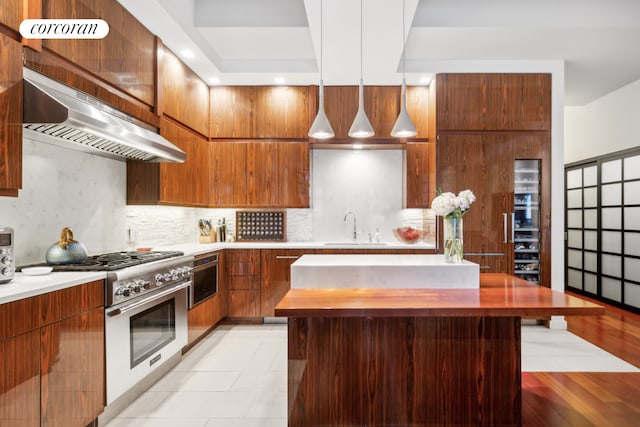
(110, 261)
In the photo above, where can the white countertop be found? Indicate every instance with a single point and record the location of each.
(23, 286)
(201, 248)
(382, 271)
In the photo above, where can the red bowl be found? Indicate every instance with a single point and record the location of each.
(408, 234)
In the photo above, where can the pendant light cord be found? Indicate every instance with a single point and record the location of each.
(361, 13)
(403, 43)
(321, 39)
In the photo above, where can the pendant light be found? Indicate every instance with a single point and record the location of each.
(404, 127)
(321, 128)
(361, 127)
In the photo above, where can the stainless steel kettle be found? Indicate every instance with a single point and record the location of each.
(66, 250)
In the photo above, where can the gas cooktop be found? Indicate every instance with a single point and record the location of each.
(111, 261)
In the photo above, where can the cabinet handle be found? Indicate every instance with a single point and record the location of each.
(287, 257)
(513, 227)
(504, 222)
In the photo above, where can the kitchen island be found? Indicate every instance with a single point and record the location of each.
(413, 357)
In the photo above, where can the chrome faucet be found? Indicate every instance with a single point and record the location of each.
(355, 230)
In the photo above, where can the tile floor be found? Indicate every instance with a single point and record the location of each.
(237, 377)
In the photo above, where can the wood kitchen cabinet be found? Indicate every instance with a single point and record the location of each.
(20, 363)
(182, 184)
(248, 112)
(228, 169)
(382, 104)
(278, 174)
(52, 358)
(242, 273)
(185, 96)
(125, 58)
(420, 160)
(276, 276)
(259, 174)
(486, 165)
(485, 123)
(10, 116)
(493, 101)
(11, 14)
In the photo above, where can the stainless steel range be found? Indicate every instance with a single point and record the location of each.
(146, 297)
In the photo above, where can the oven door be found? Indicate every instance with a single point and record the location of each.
(205, 279)
(142, 335)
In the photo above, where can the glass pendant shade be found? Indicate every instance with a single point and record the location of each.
(321, 128)
(361, 127)
(404, 127)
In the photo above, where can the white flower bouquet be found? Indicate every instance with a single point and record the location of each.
(448, 205)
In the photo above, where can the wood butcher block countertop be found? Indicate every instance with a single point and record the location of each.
(500, 295)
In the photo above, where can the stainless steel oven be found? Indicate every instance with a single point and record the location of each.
(145, 323)
(205, 278)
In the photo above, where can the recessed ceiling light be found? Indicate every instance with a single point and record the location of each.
(188, 53)
(425, 80)
(214, 80)
(279, 80)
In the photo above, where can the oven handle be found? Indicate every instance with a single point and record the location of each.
(122, 310)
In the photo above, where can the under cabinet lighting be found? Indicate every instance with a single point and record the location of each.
(214, 80)
(425, 80)
(279, 80)
(188, 54)
(358, 146)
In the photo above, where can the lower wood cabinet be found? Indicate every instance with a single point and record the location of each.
(52, 358)
(20, 380)
(276, 276)
(242, 272)
(71, 370)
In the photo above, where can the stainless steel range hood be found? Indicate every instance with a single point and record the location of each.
(55, 113)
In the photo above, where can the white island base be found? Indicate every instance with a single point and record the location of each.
(383, 271)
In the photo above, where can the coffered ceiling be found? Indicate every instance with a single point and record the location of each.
(256, 41)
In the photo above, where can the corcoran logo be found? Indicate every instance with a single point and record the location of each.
(64, 28)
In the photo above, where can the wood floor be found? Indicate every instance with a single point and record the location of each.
(589, 399)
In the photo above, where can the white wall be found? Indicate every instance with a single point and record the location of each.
(366, 182)
(66, 188)
(606, 125)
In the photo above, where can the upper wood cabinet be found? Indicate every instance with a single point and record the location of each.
(493, 101)
(10, 116)
(259, 112)
(278, 174)
(420, 174)
(185, 96)
(382, 105)
(182, 184)
(259, 174)
(11, 13)
(228, 174)
(125, 58)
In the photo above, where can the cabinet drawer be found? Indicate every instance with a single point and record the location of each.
(244, 303)
(244, 282)
(242, 262)
(498, 263)
(19, 316)
(71, 301)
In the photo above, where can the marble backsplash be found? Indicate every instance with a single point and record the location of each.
(66, 188)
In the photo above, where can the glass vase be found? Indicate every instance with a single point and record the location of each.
(453, 245)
